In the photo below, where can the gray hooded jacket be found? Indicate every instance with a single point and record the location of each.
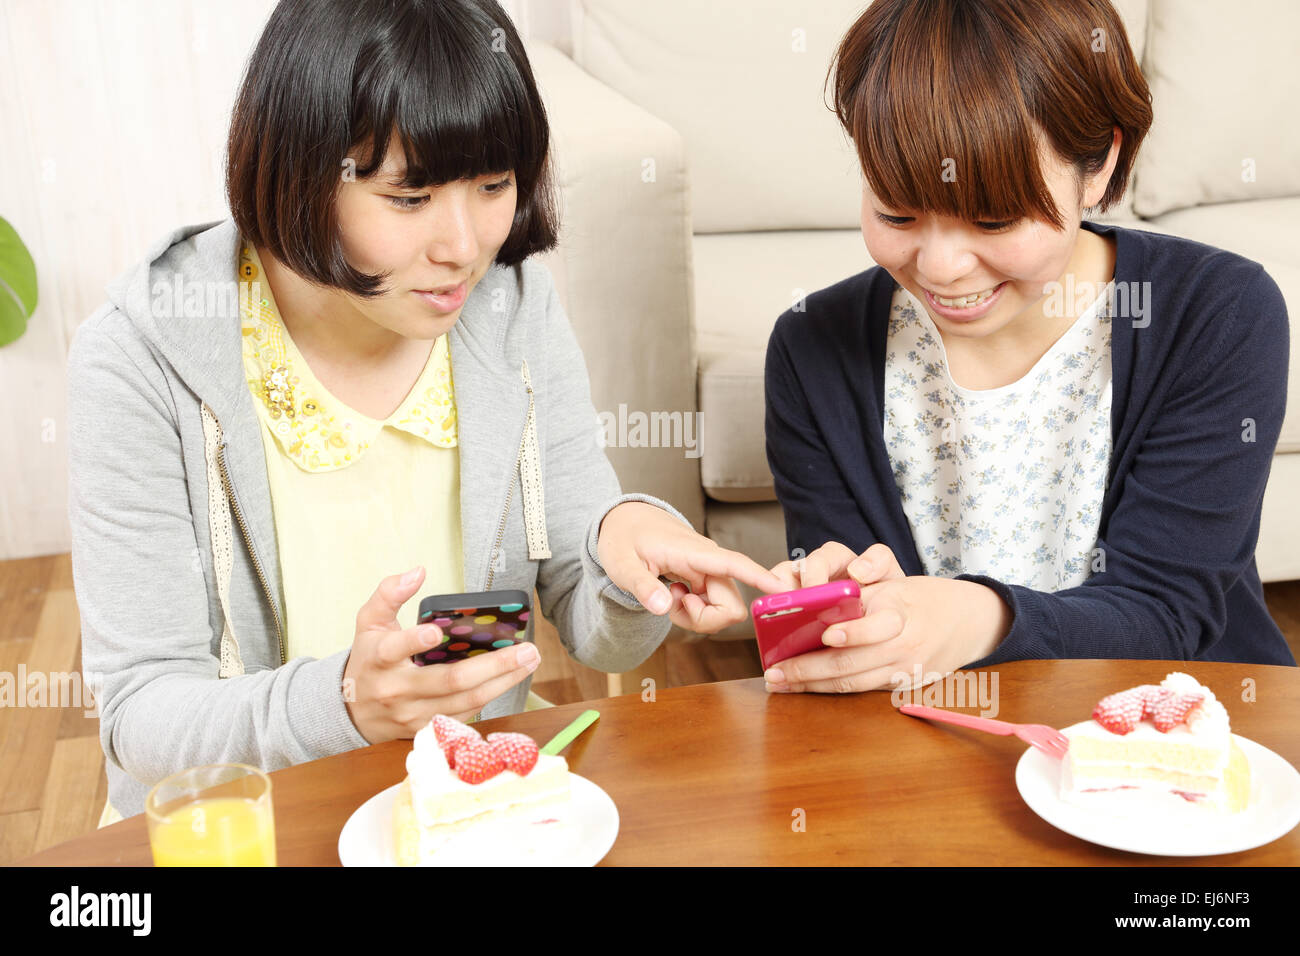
(183, 620)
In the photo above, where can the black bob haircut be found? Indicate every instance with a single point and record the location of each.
(449, 79)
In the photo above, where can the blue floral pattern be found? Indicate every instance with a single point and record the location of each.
(1005, 482)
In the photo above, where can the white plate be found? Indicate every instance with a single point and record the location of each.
(578, 833)
(1273, 810)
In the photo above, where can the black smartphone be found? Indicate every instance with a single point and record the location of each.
(474, 623)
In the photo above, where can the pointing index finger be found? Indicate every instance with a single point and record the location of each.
(733, 564)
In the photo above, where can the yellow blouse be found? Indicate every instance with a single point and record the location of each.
(354, 499)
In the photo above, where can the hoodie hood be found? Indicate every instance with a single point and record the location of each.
(194, 263)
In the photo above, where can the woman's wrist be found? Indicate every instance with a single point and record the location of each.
(983, 620)
(622, 510)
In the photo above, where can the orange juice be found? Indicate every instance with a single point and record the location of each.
(225, 831)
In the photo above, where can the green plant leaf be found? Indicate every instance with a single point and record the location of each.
(17, 285)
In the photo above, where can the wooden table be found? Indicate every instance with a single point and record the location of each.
(721, 773)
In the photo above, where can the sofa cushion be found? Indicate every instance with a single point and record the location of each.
(743, 282)
(1276, 555)
(744, 88)
(1221, 91)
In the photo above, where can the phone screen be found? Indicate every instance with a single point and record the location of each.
(473, 624)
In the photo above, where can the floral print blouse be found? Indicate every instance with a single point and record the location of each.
(1005, 482)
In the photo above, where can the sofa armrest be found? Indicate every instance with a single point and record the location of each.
(623, 271)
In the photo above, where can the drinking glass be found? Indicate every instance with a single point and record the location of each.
(217, 815)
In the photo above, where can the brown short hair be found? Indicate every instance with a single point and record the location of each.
(450, 80)
(927, 85)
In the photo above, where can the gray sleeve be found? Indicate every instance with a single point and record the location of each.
(147, 637)
(601, 625)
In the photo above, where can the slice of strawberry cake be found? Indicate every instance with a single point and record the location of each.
(1160, 742)
(455, 780)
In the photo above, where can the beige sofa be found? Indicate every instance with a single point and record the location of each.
(707, 187)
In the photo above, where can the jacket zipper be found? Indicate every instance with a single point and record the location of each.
(243, 529)
(510, 491)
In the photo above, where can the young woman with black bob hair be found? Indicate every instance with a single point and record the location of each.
(1024, 434)
(394, 386)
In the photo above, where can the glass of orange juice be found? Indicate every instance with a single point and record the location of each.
(218, 815)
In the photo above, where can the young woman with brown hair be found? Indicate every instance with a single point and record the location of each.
(1026, 435)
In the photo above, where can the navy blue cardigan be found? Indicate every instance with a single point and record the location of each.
(1185, 482)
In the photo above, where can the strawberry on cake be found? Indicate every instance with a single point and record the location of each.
(1157, 742)
(456, 780)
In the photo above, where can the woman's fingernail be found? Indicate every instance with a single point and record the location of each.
(835, 638)
(431, 634)
(409, 577)
(859, 569)
(660, 602)
(774, 675)
(527, 656)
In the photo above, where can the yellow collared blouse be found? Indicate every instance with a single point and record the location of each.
(354, 499)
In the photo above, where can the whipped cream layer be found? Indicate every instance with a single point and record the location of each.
(1208, 719)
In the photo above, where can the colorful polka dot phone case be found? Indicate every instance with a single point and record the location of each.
(473, 624)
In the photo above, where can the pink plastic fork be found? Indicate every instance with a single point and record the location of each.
(1047, 739)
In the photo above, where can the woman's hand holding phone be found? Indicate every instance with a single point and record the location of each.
(390, 696)
(925, 623)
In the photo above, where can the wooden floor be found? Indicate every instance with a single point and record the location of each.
(53, 768)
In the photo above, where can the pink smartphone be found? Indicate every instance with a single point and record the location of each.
(792, 623)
